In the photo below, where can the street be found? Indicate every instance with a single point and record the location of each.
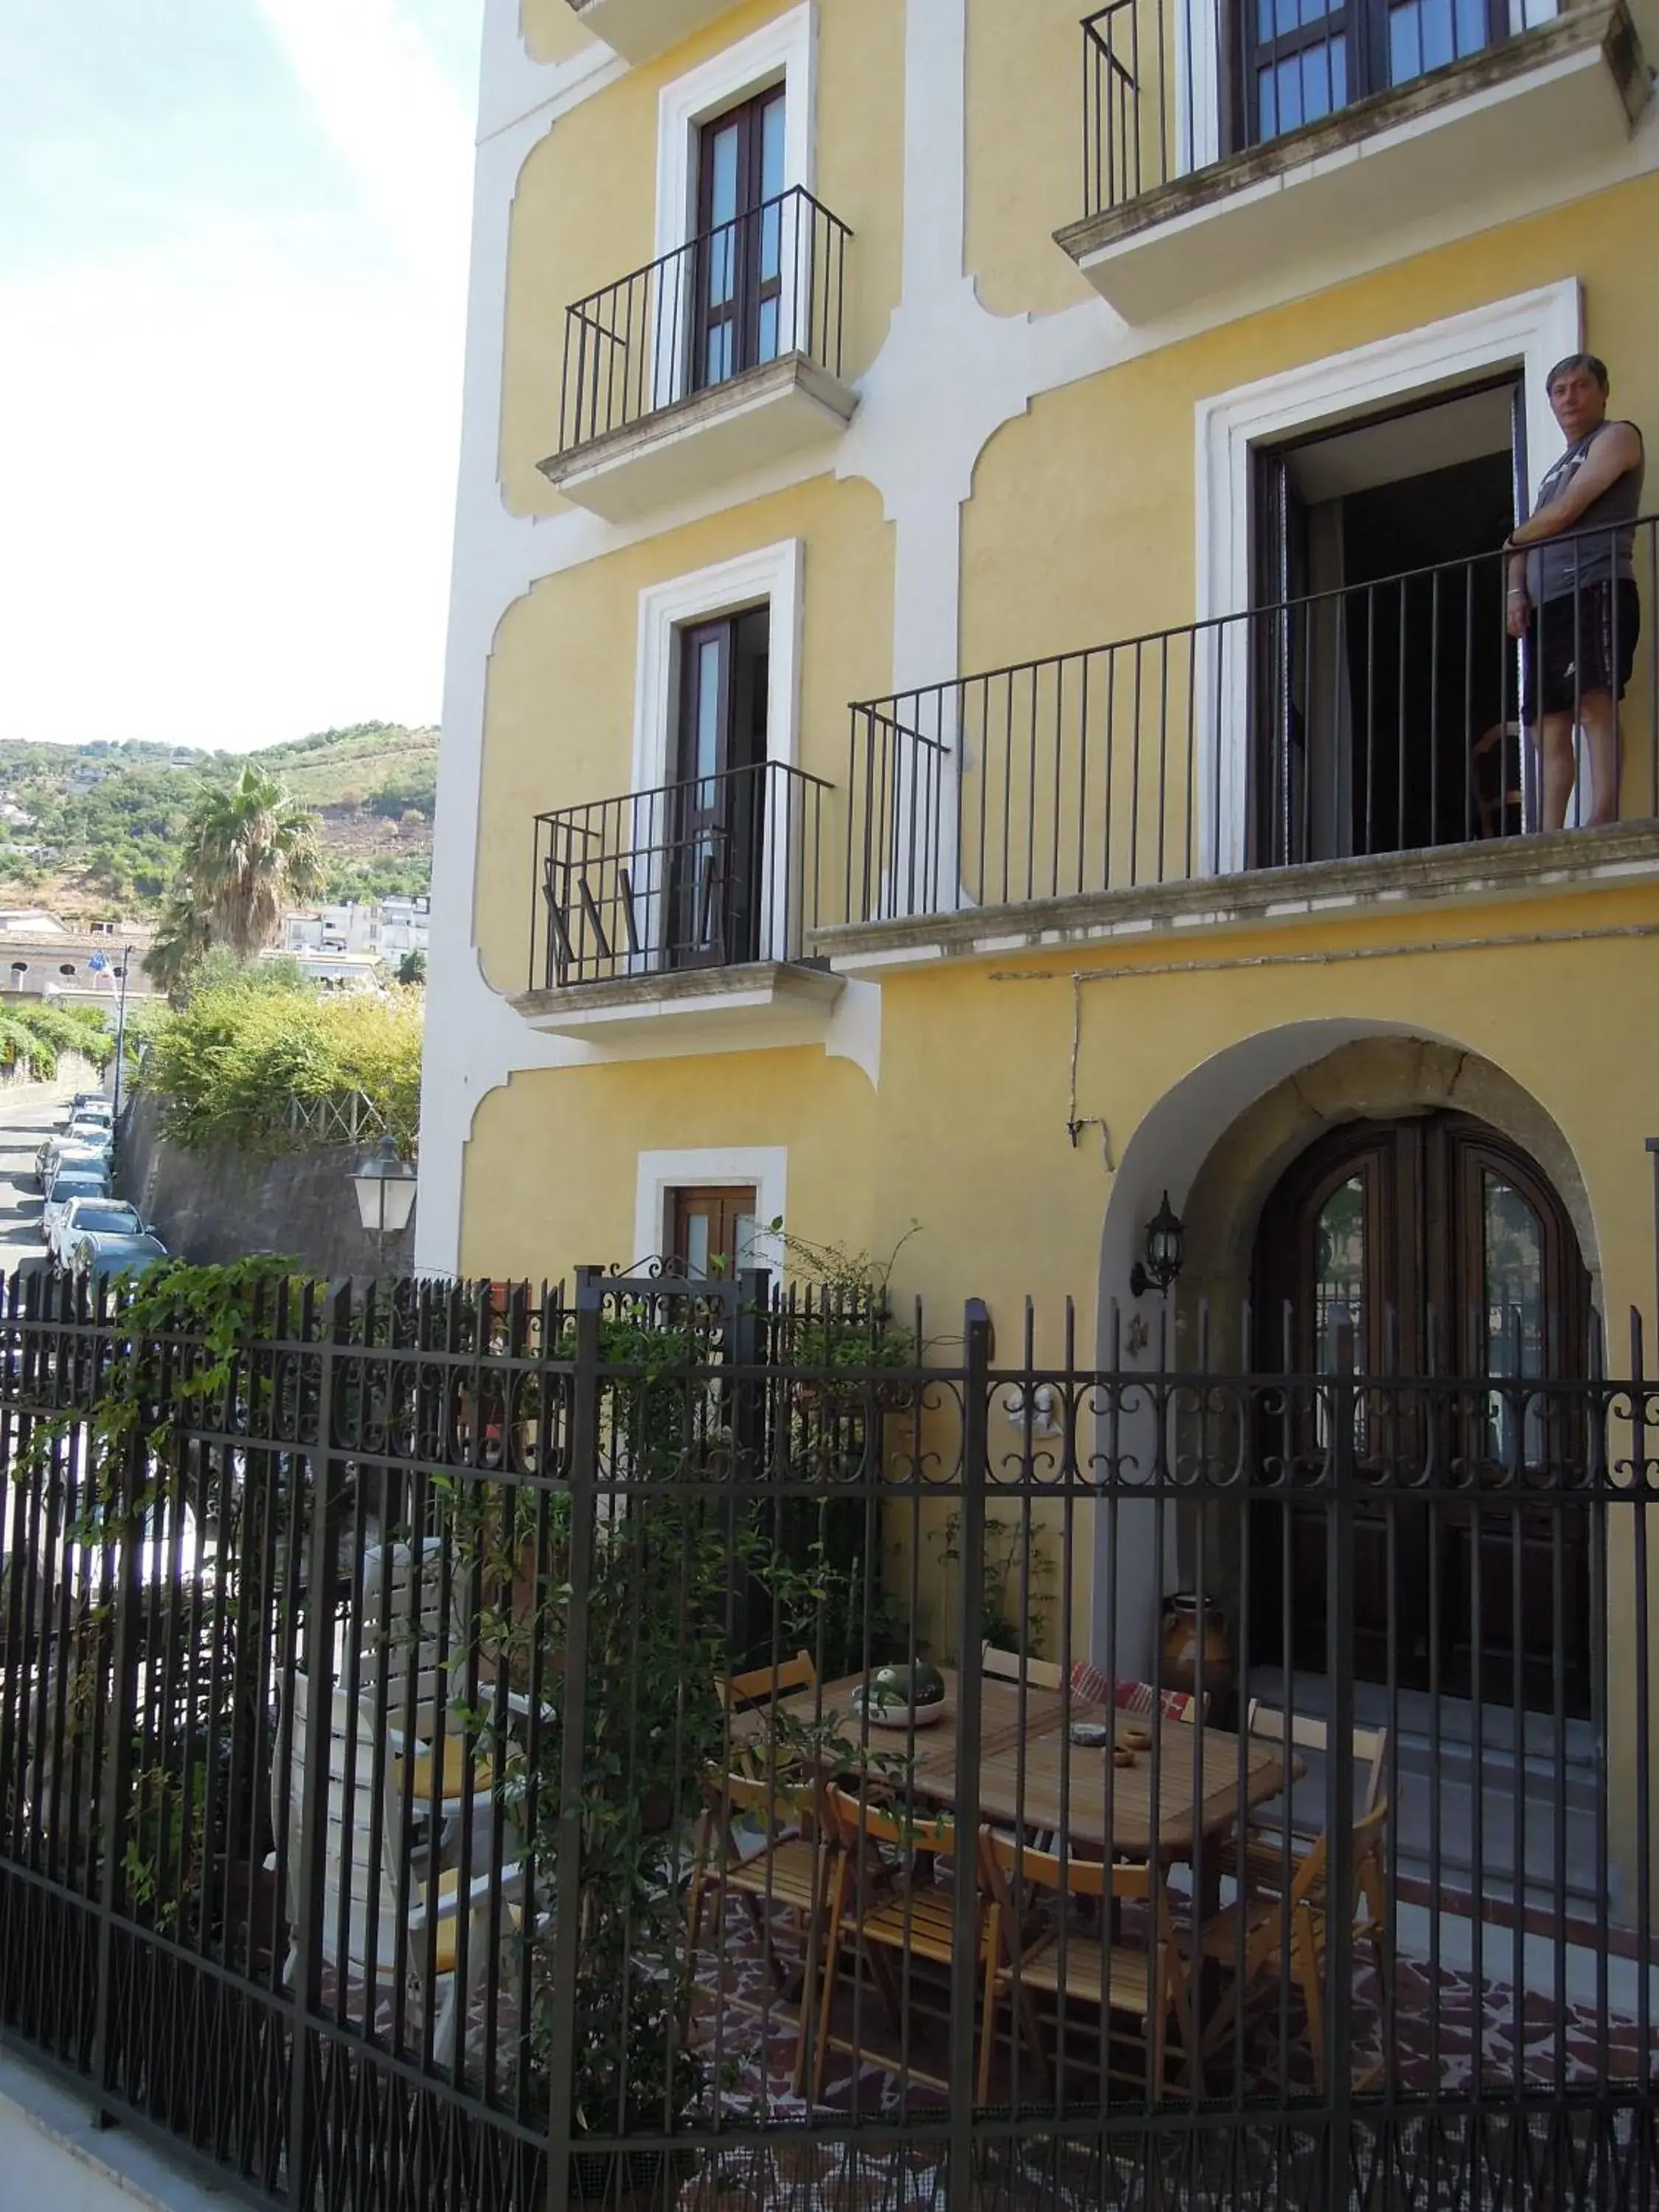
(23, 1123)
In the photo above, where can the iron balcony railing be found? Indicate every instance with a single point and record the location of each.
(433, 1773)
(712, 872)
(1172, 87)
(769, 283)
(1384, 717)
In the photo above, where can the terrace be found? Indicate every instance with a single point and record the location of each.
(1313, 754)
(432, 1771)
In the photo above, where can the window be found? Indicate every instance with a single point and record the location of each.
(740, 258)
(1304, 59)
(711, 1230)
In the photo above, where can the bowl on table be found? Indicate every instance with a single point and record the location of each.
(901, 1697)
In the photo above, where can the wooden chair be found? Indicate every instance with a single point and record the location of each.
(1147, 1983)
(1258, 1935)
(1257, 1859)
(373, 1900)
(1014, 1667)
(784, 1864)
(881, 1906)
(764, 1685)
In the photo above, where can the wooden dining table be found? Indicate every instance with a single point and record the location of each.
(1191, 1782)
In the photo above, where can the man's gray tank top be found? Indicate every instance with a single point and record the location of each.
(1601, 541)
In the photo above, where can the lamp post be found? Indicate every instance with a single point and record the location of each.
(385, 1193)
(120, 1033)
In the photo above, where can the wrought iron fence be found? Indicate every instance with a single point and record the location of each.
(716, 871)
(1387, 716)
(1169, 90)
(770, 282)
(443, 1762)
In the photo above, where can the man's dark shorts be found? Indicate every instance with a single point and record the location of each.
(1580, 643)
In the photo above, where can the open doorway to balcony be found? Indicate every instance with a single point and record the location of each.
(716, 870)
(1384, 685)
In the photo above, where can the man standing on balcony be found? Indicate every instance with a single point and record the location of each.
(1572, 587)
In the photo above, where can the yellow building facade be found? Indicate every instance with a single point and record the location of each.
(996, 374)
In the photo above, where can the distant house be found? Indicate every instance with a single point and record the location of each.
(377, 929)
(39, 958)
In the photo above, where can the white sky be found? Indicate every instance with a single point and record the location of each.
(233, 240)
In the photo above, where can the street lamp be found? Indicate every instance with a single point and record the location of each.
(385, 1192)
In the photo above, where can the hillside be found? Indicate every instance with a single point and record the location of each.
(91, 831)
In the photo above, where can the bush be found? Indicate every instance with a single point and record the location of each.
(53, 1029)
(21, 1047)
(226, 1067)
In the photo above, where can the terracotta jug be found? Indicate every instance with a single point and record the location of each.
(1182, 1643)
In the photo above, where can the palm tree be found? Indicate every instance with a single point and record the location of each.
(249, 852)
(181, 938)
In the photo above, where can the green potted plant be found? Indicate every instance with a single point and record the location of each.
(838, 1323)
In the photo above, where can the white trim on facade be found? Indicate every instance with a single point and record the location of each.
(765, 1166)
(784, 51)
(1530, 330)
(769, 575)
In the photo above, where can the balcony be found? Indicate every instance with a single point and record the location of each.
(1209, 151)
(715, 359)
(683, 911)
(1321, 755)
(638, 30)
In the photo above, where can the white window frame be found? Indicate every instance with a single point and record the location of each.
(783, 52)
(1530, 330)
(765, 1168)
(772, 576)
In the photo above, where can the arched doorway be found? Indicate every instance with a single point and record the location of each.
(1448, 1252)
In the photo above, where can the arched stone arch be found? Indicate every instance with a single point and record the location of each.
(1369, 1079)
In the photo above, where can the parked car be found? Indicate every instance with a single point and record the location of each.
(95, 1217)
(82, 1156)
(92, 1142)
(101, 1257)
(74, 1178)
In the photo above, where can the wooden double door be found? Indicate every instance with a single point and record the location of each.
(741, 241)
(716, 876)
(1437, 1249)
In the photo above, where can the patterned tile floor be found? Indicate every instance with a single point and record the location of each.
(1446, 2031)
